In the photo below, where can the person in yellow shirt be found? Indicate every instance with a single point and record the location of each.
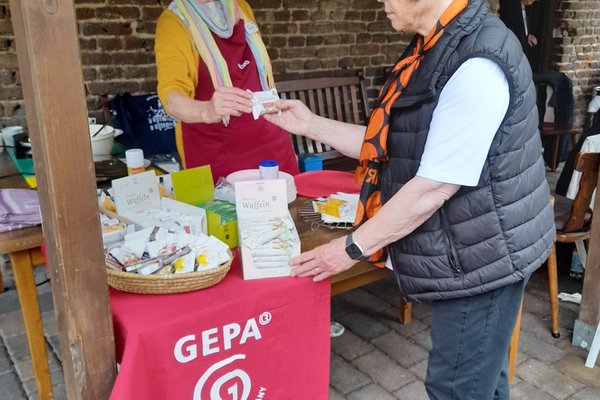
(209, 54)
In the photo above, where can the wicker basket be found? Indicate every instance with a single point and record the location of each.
(169, 283)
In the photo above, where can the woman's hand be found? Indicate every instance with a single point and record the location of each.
(323, 261)
(227, 101)
(295, 117)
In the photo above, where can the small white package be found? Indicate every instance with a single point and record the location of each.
(265, 102)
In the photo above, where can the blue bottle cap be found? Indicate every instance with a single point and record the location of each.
(268, 163)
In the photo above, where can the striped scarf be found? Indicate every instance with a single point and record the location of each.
(374, 148)
(198, 23)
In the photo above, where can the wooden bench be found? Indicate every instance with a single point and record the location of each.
(342, 99)
(339, 98)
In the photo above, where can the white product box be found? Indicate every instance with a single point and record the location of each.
(138, 200)
(266, 230)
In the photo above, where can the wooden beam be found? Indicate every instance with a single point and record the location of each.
(50, 68)
(589, 311)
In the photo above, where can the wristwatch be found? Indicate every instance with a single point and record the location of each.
(354, 250)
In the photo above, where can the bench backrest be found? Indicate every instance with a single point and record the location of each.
(340, 98)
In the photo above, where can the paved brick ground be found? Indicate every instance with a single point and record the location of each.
(375, 359)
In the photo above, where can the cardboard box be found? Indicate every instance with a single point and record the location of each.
(266, 230)
(222, 221)
(138, 200)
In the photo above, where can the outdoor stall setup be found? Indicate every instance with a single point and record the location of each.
(232, 326)
(228, 321)
(235, 323)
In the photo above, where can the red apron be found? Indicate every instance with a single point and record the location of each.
(245, 142)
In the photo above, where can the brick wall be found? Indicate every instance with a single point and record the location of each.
(576, 49)
(304, 37)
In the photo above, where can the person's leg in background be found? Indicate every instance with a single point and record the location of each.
(470, 339)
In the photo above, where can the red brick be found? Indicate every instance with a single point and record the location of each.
(296, 41)
(140, 72)
(148, 86)
(299, 15)
(146, 27)
(151, 13)
(106, 28)
(110, 73)
(98, 88)
(110, 44)
(117, 13)
(84, 13)
(88, 44)
(5, 27)
(365, 49)
(10, 93)
(142, 44)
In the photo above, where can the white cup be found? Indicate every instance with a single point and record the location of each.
(9, 132)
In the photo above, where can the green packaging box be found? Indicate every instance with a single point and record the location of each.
(222, 221)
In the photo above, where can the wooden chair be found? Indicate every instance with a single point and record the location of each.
(572, 219)
(340, 98)
(553, 132)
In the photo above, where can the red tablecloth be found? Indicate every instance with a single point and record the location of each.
(239, 340)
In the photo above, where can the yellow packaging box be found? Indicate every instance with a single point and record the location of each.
(222, 221)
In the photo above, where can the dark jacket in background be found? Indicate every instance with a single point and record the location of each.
(563, 102)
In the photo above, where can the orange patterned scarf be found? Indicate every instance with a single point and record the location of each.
(374, 147)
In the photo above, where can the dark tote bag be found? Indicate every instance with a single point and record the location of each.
(145, 124)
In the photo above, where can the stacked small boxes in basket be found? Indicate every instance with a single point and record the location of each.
(160, 245)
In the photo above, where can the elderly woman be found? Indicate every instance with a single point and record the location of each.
(208, 55)
(454, 194)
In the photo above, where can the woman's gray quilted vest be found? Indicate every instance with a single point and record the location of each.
(487, 236)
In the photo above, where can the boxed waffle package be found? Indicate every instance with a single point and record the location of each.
(266, 230)
(137, 199)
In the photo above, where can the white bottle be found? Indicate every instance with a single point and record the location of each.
(268, 169)
(135, 161)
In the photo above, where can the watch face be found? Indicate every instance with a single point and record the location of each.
(353, 251)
